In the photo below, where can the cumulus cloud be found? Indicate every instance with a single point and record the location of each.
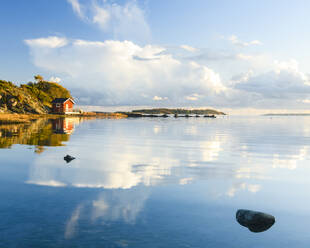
(49, 42)
(112, 74)
(123, 21)
(242, 77)
(285, 81)
(236, 41)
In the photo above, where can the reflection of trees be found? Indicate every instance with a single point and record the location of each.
(38, 133)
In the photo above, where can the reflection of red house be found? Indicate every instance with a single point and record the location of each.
(63, 126)
(62, 105)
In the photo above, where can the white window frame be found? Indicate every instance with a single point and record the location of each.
(57, 105)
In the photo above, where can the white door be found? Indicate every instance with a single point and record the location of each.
(67, 107)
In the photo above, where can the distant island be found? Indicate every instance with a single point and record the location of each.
(178, 111)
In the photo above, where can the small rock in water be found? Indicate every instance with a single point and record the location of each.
(68, 158)
(255, 221)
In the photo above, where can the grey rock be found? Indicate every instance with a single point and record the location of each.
(68, 158)
(255, 221)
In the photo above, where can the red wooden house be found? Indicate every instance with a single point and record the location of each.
(62, 105)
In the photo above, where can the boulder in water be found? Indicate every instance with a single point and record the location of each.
(68, 158)
(254, 221)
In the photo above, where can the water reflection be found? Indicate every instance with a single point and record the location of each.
(120, 163)
(131, 153)
(64, 125)
(39, 133)
(109, 207)
(72, 224)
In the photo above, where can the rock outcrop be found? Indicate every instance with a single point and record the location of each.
(32, 98)
(254, 221)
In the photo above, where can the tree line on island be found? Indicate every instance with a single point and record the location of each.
(179, 111)
(176, 112)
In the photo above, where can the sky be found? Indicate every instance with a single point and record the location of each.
(240, 56)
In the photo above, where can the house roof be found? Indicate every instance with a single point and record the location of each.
(62, 100)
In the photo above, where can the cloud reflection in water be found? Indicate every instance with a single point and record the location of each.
(122, 156)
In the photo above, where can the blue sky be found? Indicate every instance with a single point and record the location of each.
(162, 53)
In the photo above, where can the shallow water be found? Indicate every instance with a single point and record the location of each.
(154, 182)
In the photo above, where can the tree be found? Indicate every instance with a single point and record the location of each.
(38, 78)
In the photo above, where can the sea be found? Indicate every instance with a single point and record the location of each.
(154, 182)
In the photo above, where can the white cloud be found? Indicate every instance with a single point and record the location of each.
(242, 77)
(101, 17)
(159, 98)
(124, 21)
(121, 72)
(235, 40)
(255, 42)
(55, 79)
(77, 8)
(192, 97)
(49, 42)
(50, 183)
(244, 56)
(189, 48)
(284, 81)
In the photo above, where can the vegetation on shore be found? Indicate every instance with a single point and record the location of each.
(178, 111)
(33, 97)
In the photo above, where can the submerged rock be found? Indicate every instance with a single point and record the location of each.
(68, 158)
(254, 221)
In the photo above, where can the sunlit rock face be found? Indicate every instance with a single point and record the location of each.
(255, 221)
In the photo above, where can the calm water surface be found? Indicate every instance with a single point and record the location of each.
(154, 182)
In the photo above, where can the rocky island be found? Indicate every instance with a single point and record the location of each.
(176, 112)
